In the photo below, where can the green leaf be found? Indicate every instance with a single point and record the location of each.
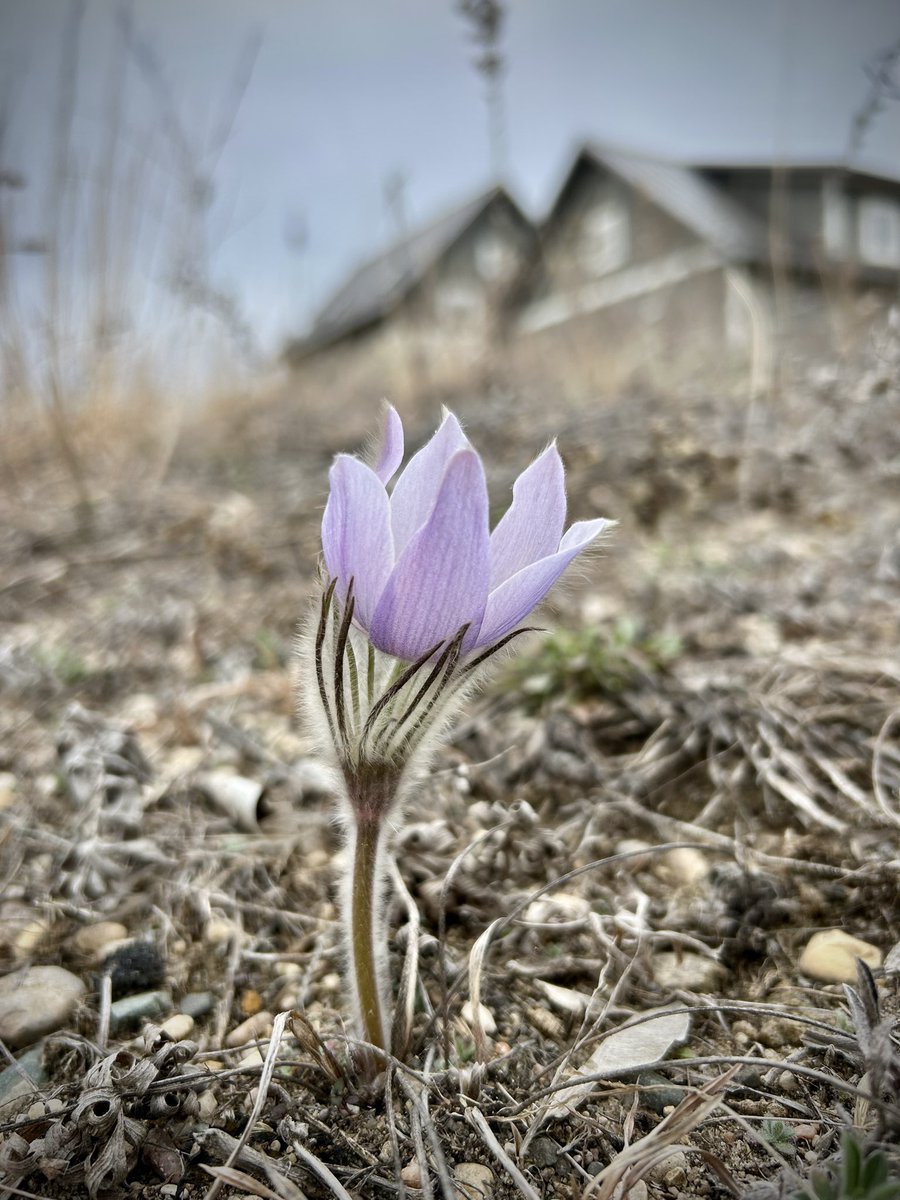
(851, 1164)
(874, 1172)
(889, 1190)
(822, 1186)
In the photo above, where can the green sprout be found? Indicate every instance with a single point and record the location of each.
(779, 1135)
(861, 1175)
(578, 664)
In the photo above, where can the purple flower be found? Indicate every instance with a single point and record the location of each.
(423, 559)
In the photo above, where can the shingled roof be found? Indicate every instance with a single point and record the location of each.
(683, 194)
(380, 283)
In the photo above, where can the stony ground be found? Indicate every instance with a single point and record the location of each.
(661, 804)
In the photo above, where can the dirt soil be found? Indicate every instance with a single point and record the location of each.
(654, 806)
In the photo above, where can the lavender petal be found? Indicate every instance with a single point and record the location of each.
(417, 488)
(440, 581)
(391, 454)
(356, 533)
(513, 600)
(532, 526)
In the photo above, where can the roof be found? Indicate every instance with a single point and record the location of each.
(379, 284)
(682, 193)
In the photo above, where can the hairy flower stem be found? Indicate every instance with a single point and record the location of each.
(372, 792)
(363, 917)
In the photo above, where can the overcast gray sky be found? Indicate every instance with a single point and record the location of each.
(346, 92)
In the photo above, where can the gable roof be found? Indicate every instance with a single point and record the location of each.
(380, 283)
(682, 193)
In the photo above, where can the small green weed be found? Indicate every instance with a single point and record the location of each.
(577, 664)
(779, 1136)
(64, 664)
(861, 1176)
(270, 653)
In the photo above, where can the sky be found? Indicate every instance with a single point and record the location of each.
(346, 95)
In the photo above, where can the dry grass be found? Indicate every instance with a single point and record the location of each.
(768, 744)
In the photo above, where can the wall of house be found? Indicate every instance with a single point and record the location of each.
(469, 289)
(602, 227)
(658, 339)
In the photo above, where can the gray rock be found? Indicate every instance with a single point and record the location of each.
(131, 1010)
(661, 1093)
(688, 972)
(544, 1152)
(14, 1081)
(198, 1004)
(35, 1001)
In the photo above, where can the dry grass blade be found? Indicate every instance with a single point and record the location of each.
(634, 1162)
(282, 1189)
(891, 811)
(324, 1173)
(406, 1002)
(418, 1097)
(312, 1043)
(477, 956)
(268, 1070)
(477, 1118)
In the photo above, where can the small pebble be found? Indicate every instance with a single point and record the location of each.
(287, 999)
(411, 1174)
(474, 1180)
(35, 1001)
(254, 1058)
(561, 907)
(830, 956)
(672, 1171)
(661, 1093)
(544, 1152)
(14, 1089)
(687, 972)
(94, 940)
(7, 789)
(30, 937)
(255, 1027)
(684, 867)
(131, 1010)
(198, 1004)
(179, 1026)
(488, 1024)
(288, 970)
(218, 932)
(251, 1002)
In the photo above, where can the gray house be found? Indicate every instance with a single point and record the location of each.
(642, 267)
(447, 290)
(652, 263)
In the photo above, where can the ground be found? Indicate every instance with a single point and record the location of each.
(653, 805)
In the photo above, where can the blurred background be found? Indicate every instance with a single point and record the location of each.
(667, 232)
(190, 190)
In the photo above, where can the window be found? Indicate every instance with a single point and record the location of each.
(835, 219)
(879, 231)
(495, 259)
(605, 237)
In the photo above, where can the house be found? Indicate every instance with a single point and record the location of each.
(643, 268)
(651, 264)
(440, 295)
